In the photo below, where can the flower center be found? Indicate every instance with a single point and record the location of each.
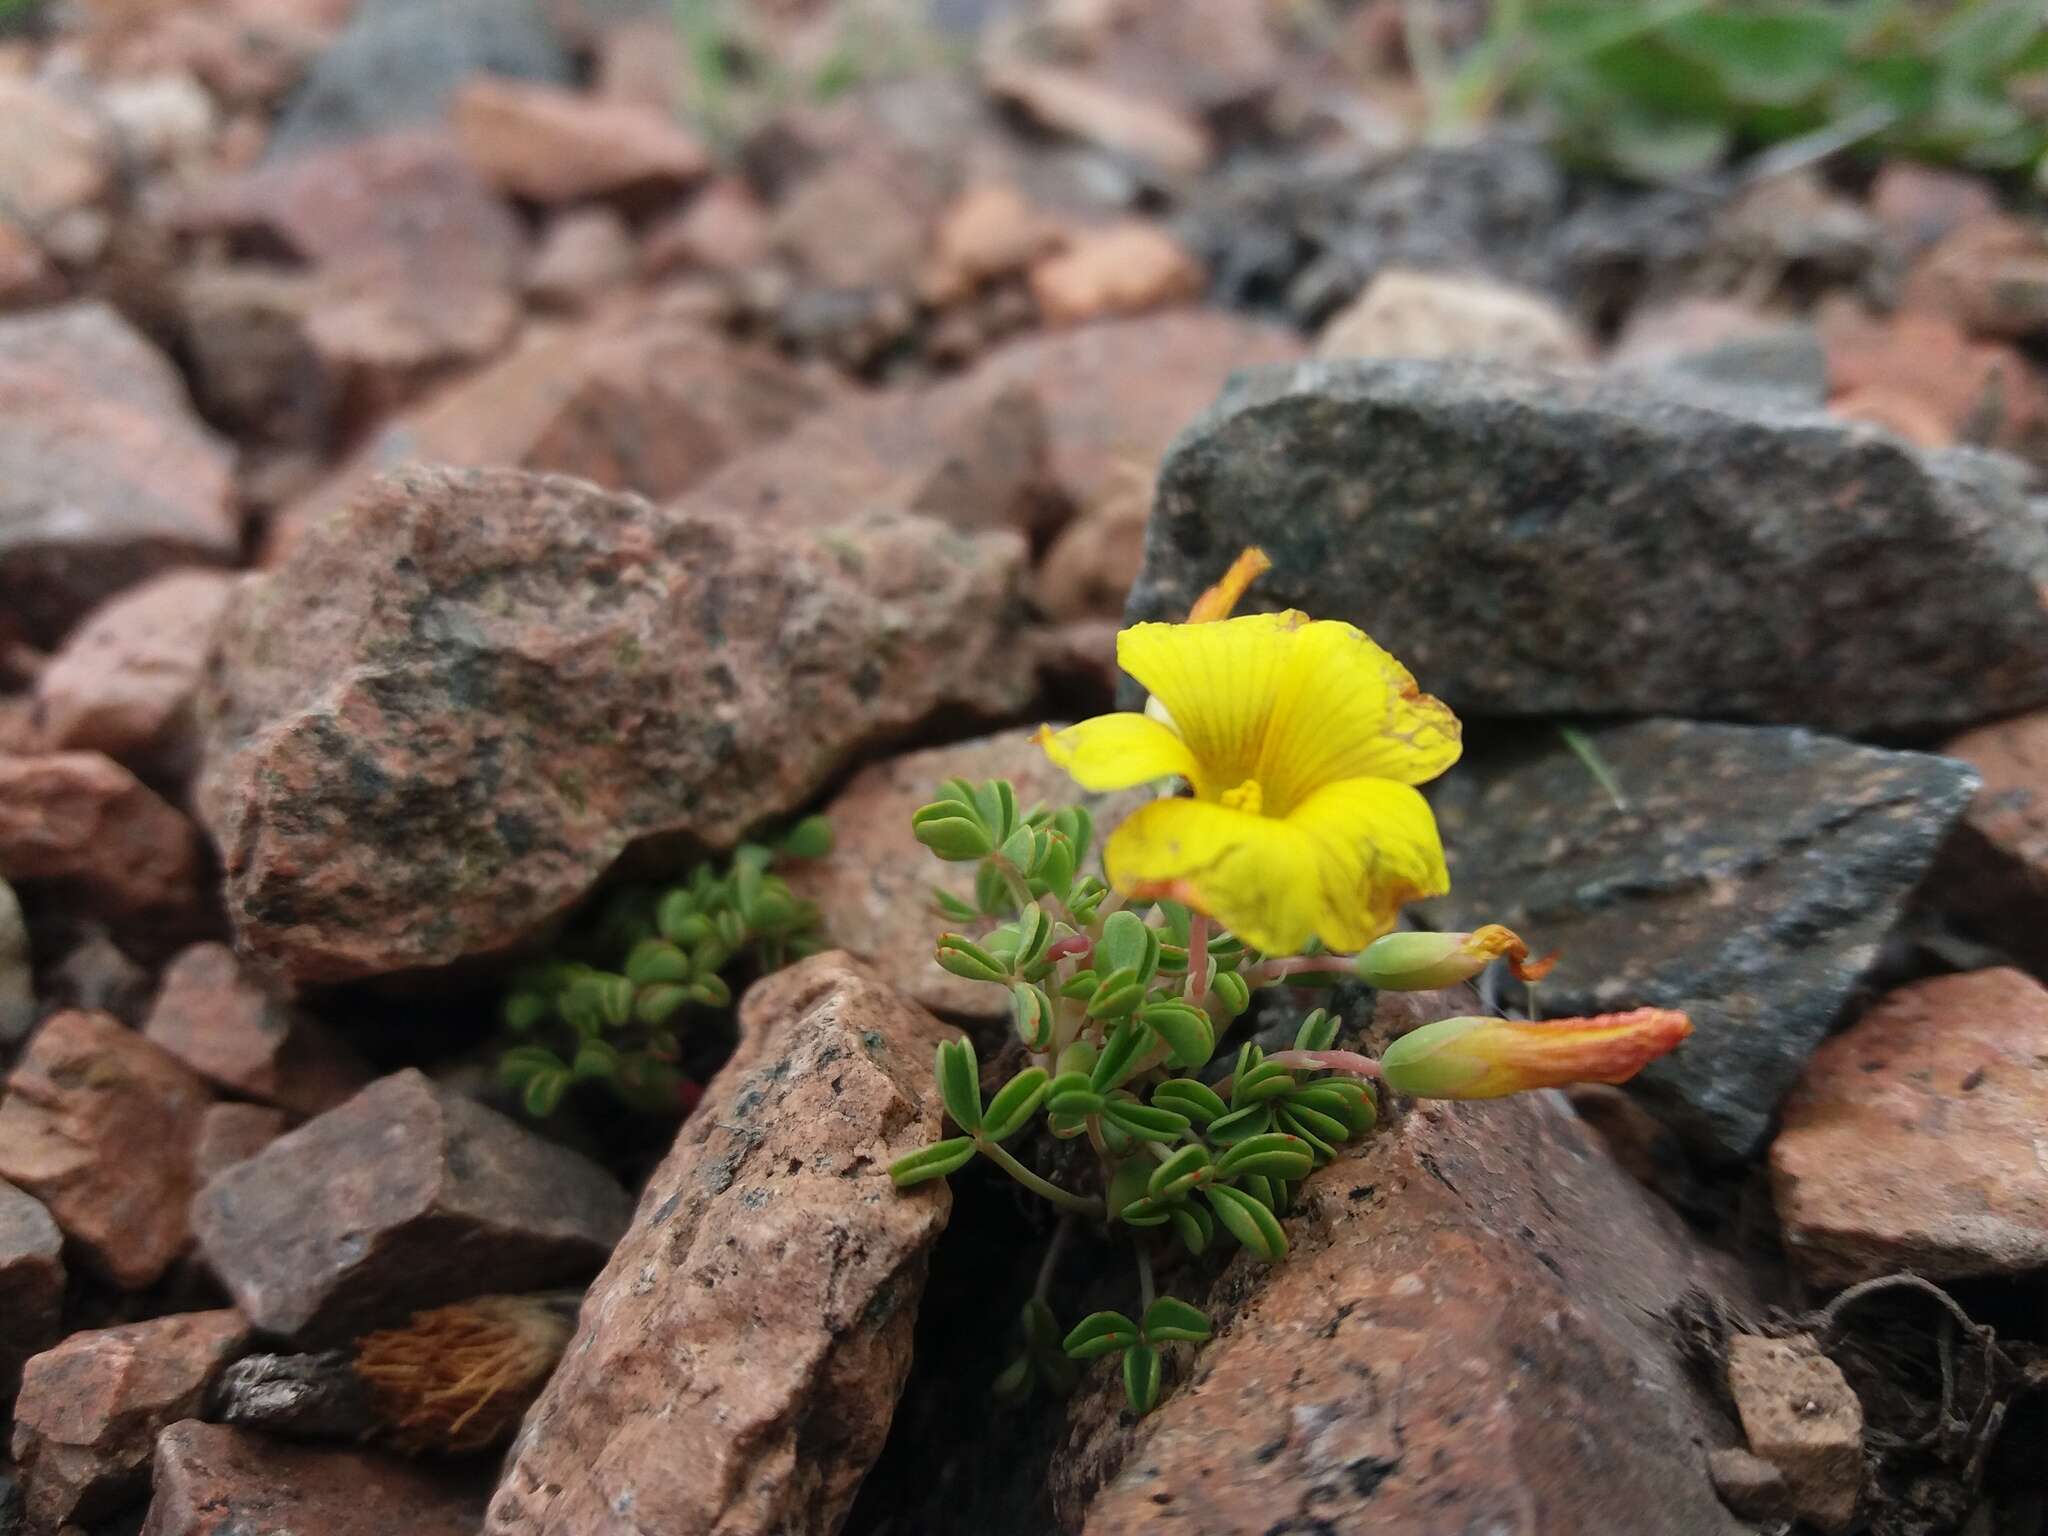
(1246, 797)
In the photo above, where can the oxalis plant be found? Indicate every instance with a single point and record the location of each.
(1288, 836)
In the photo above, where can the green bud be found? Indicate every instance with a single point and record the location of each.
(1422, 962)
(959, 1080)
(932, 1162)
(965, 958)
(810, 838)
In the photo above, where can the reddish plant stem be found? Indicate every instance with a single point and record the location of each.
(1328, 1061)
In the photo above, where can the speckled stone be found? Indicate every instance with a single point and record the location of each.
(1536, 543)
(1750, 882)
(445, 717)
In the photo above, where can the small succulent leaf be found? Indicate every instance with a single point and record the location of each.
(1190, 1037)
(1318, 1031)
(522, 1012)
(1015, 1103)
(1321, 1148)
(543, 1093)
(595, 1059)
(657, 1005)
(1032, 1011)
(810, 838)
(1195, 1227)
(1141, 1378)
(952, 907)
(1272, 1154)
(1171, 1319)
(1268, 1080)
(1180, 1172)
(1329, 1128)
(959, 1082)
(932, 1162)
(966, 959)
(1253, 1120)
(1247, 1220)
(953, 837)
(1119, 1056)
(1184, 1095)
(1078, 1057)
(1128, 943)
(1116, 995)
(1041, 1327)
(517, 1065)
(1143, 1121)
(1099, 1333)
(1231, 992)
(1014, 1382)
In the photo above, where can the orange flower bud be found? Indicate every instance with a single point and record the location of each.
(1421, 962)
(1221, 600)
(1477, 1058)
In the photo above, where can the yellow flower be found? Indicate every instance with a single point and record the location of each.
(1301, 741)
(1481, 1058)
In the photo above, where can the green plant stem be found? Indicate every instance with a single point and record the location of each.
(1065, 1199)
(1145, 1289)
(1050, 1263)
(1013, 878)
(1303, 965)
(1198, 961)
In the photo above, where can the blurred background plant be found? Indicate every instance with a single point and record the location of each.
(612, 1006)
(1672, 88)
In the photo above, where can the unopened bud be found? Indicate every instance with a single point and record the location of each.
(1479, 1058)
(1423, 962)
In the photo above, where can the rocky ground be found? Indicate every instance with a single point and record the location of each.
(456, 458)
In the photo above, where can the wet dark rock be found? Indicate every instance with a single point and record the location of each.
(1751, 881)
(1536, 543)
(401, 62)
(407, 1196)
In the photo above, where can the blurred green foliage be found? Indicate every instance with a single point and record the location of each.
(1662, 89)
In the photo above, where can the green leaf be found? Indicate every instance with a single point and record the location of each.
(1032, 1011)
(1273, 1155)
(1034, 933)
(810, 838)
(1231, 992)
(1127, 1188)
(1144, 1122)
(1098, 1334)
(953, 907)
(1128, 943)
(1247, 1220)
(1041, 1328)
(968, 960)
(949, 834)
(1185, 1096)
(656, 960)
(1015, 1103)
(1253, 1120)
(657, 1005)
(1141, 1378)
(522, 1062)
(1079, 1057)
(595, 1059)
(1179, 1173)
(1331, 1128)
(1267, 1080)
(1170, 1318)
(1323, 1148)
(1080, 986)
(523, 1011)
(1318, 1031)
(1982, 39)
(1195, 1227)
(1116, 995)
(1770, 57)
(1074, 1101)
(1014, 1381)
(544, 1090)
(1189, 1036)
(959, 1082)
(1119, 1056)
(932, 1162)
(1657, 148)
(1056, 867)
(711, 991)
(992, 891)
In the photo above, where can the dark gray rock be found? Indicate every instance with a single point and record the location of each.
(400, 61)
(31, 1283)
(1751, 882)
(407, 1196)
(1539, 543)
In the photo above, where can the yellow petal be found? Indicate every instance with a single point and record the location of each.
(1338, 868)
(1292, 703)
(1376, 849)
(1117, 751)
(1346, 709)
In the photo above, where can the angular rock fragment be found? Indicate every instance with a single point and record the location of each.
(235, 1034)
(1533, 543)
(100, 1125)
(1802, 1417)
(233, 1133)
(1994, 872)
(215, 1481)
(1750, 881)
(1913, 1141)
(1426, 314)
(739, 1359)
(406, 1196)
(558, 146)
(85, 827)
(106, 476)
(90, 1409)
(436, 726)
(1468, 1333)
(31, 1283)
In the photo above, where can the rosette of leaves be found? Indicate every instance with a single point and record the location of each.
(611, 1007)
(1119, 1025)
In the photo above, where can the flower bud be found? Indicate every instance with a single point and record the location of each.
(1423, 962)
(1477, 1058)
(1221, 600)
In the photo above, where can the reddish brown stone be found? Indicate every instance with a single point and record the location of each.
(215, 1481)
(441, 722)
(738, 1361)
(256, 368)
(90, 1409)
(1994, 871)
(26, 276)
(552, 145)
(1802, 1417)
(92, 831)
(124, 680)
(974, 461)
(1467, 1334)
(1070, 101)
(724, 229)
(226, 1027)
(31, 1283)
(406, 1196)
(876, 884)
(1091, 565)
(862, 221)
(1912, 1142)
(988, 233)
(1115, 395)
(55, 156)
(1124, 269)
(636, 401)
(1990, 275)
(1982, 392)
(1918, 204)
(233, 1133)
(418, 264)
(106, 477)
(99, 1125)
(585, 254)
